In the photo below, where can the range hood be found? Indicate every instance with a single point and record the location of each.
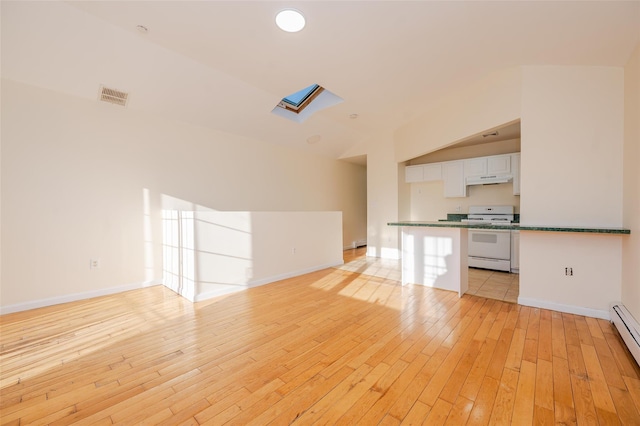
(489, 179)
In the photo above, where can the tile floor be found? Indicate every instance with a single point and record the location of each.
(482, 282)
(494, 284)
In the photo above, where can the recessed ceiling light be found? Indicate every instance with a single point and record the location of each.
(353, 116)
(290, 20)
(142, 29)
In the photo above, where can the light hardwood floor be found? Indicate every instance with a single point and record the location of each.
(330, 347)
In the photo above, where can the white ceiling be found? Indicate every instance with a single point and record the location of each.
(225, 65)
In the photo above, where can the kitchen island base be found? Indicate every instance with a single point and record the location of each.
(435, 257)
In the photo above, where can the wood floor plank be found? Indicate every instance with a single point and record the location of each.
(460, 411)
(410, 395)
(383, 405)
(594, 327)
(416, 415)
(502, 411)
(633, 386)
(544, 385)
(625, 361)
(544, 337)
(626, 410)
(525, 393)
(585, 410)
(474, 379)
(562, 382)
(601, 395)
(583, 331)
(483, 406)
(576, 361)
(354, 393)
(516, 349)
(610, 369)
(543, 416)
(439, 413)
(330, 347)
(500, 354)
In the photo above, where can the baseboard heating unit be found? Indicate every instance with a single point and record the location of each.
(628, 328)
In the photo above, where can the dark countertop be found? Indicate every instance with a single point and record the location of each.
(513, 226)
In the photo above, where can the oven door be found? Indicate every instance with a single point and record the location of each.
(490, 243)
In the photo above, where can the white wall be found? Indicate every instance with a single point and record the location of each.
(490, 102)
(572, 124)
(571, 174)
(595, 260)
(382, 199)
(631, 212)
(82, 179)
(224, 251)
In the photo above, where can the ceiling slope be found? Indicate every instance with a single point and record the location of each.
(225, 65)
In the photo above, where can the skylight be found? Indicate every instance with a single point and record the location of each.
(299, 100)
(300, 105)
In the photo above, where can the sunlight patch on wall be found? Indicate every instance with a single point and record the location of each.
(433, 252)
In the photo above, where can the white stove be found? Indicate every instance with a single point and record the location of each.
(490, 214)
(490, 248)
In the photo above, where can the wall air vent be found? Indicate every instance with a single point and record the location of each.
(113, 96)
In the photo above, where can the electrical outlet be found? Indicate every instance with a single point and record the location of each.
(568, 271)
(94, 263)
(293, 250)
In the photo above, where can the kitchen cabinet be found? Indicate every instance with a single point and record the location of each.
(455, 173)
(515, 169)
(423, 173)
(499, 164)
(432, 172)
(453, 176)
(475, 167)
(414, 173)
(492, 165)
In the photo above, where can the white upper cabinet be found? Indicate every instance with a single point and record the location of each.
(483, 166)
(475, 167)
(499, 164)
(414, 173)
(423, 173)
(432, 172)
(453, 175)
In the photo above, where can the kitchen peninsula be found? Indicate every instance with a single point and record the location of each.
(434, 254)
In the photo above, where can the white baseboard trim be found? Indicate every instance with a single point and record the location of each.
(233, 289)
(355, 244)
(569, 309)
(41, 303)
(226, 289)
